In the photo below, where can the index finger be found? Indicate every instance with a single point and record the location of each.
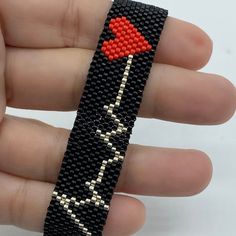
(78, 23)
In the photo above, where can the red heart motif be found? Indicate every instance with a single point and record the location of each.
(128, 41)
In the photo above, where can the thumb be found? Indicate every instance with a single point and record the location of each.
(2, 82)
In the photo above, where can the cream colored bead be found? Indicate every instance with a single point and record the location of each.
(102, 168)
(122, 86)
(104, 162)
(113, 116)
(99, 180)
(106, 140)
(91, 188)
(117, 103)
(106, 107)
(87, 201)
(100, 174)
(62, 202)
(81, 225)
(93, 199)
(73, 199)
(126, 73)
(58, 198)
(82, 202)
(98, 131)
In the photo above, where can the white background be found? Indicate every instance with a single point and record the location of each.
(211, 213)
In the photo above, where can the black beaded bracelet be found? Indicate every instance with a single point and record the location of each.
(105, 118)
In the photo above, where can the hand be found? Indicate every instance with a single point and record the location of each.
(49, 48)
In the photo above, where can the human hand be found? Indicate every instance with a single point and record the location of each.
(39, 77)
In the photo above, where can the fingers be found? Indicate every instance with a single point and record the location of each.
(78, 23)
(24, 203)
(2, 82)
(54, 80)
(39, 149)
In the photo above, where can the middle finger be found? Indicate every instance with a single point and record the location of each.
(53, 79)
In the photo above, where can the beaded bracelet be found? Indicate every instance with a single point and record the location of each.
(108, 108)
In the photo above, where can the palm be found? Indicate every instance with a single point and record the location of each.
(41, 72)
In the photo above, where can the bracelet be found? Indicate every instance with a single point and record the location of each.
(108, 108)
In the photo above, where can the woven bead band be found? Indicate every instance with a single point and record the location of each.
(105, 118)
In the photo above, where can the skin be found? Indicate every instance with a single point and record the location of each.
(46, 44)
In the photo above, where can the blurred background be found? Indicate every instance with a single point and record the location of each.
(212, 213)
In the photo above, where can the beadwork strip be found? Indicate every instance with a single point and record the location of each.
(107, 111)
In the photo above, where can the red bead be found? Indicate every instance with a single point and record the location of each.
(121, 54)
(129, 47)
(132, 35)
(118, 50)
(125, 43)
(127, 52)
(122, 23)
(105, 43)
(140, 44)
(116, 56)
(149, 47)
(111, 26)
(144, 48)
(123, 49)
(111, 58)
(131, 26)
(118, 35)
(132, 51)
